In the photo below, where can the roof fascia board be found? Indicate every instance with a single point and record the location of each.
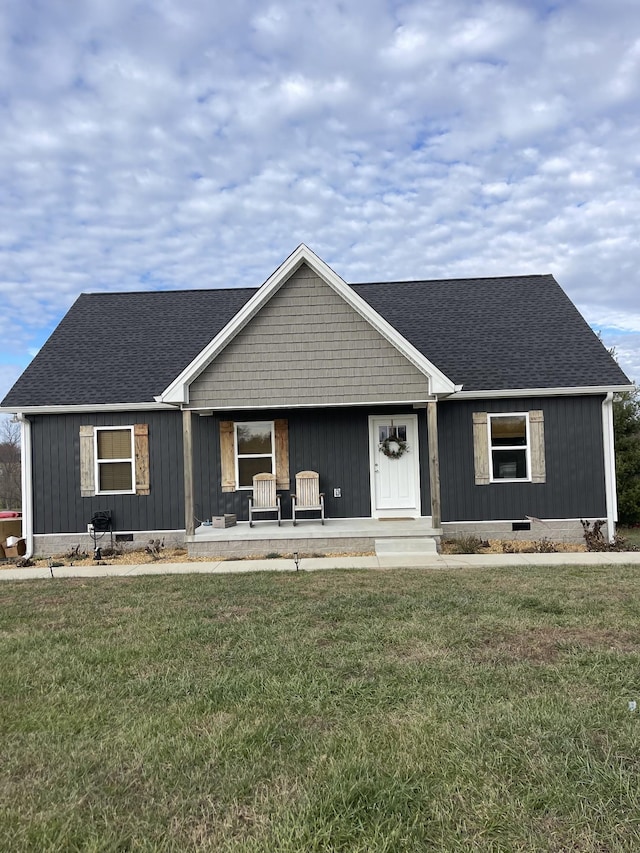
(86, 408)
(578, 391)
(177, 391)
(272, 406)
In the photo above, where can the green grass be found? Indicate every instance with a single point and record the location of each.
(630, 535)
(331, 711)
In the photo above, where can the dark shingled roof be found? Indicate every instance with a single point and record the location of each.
(124, 347)
(497, 333)
(483, 333)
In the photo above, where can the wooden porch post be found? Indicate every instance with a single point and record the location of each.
(187, 449)
(434, 462)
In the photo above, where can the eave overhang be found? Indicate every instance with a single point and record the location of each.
(177, 393)
(85, 408)
(510, 393)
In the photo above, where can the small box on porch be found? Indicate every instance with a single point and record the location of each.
(14, 546)
(226, 520)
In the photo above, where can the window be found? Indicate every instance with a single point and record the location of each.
(253, 447)
(255, 454)
(114, 460)
(509, 446)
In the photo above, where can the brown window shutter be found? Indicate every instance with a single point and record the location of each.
(536, 435)
(282, 453)
(141, 452)
(227, 457)
(87, 466)
(480, 449)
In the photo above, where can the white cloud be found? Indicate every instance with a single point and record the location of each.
(149, 145)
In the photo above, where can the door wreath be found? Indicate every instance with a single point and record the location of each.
(393, 447)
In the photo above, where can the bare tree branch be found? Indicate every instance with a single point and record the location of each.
(10, 479)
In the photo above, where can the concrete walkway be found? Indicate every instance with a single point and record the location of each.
(311, 564)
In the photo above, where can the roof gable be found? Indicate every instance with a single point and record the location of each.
(509, 335)
(307, 347)
(177, 392)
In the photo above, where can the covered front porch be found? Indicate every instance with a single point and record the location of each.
(310, 537)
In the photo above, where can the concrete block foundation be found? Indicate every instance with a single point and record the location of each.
(567, 530)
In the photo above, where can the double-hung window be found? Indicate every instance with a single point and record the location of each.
(114, 460)
(255, 451)
(509, 446)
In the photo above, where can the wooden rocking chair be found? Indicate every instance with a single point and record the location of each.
(308, 497)
(264, 497)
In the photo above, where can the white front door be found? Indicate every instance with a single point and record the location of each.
(395, 470)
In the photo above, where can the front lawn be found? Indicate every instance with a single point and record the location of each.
(483, 710)
(631, 535)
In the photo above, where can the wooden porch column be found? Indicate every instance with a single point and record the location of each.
(434, 462)
(187, 449)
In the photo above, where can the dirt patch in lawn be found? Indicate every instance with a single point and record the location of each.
(544, 644)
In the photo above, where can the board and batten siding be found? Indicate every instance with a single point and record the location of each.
(333, 442)
(57, 503)
(307, 346)
(574, 460)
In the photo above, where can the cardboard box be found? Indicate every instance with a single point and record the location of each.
(227, 520)
(17, 548)
(10, 527)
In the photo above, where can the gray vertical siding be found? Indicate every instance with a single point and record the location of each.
(334, 442)
(57, 504)
(574, 460)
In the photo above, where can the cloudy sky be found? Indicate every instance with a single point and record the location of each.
(195, 143)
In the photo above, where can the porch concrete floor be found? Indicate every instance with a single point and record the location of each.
(337, 534)
(336, 528)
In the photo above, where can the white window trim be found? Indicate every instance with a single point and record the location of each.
(237, 456)
(98, 462)
(526, 448)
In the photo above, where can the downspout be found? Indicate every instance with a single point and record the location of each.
(611, 494)
(27, 483)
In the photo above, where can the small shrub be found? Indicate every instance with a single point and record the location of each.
(544, 546)
(154, 548)
(111, 551)
(76, 554)
(596, 541)
(465, 545)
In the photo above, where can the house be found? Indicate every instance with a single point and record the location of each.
(477, 405)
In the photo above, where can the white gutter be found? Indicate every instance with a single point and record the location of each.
(85, 408)
(27, 484)
(609, 466)
(581, 390)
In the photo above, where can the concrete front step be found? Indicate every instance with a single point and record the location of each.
(387, 547)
